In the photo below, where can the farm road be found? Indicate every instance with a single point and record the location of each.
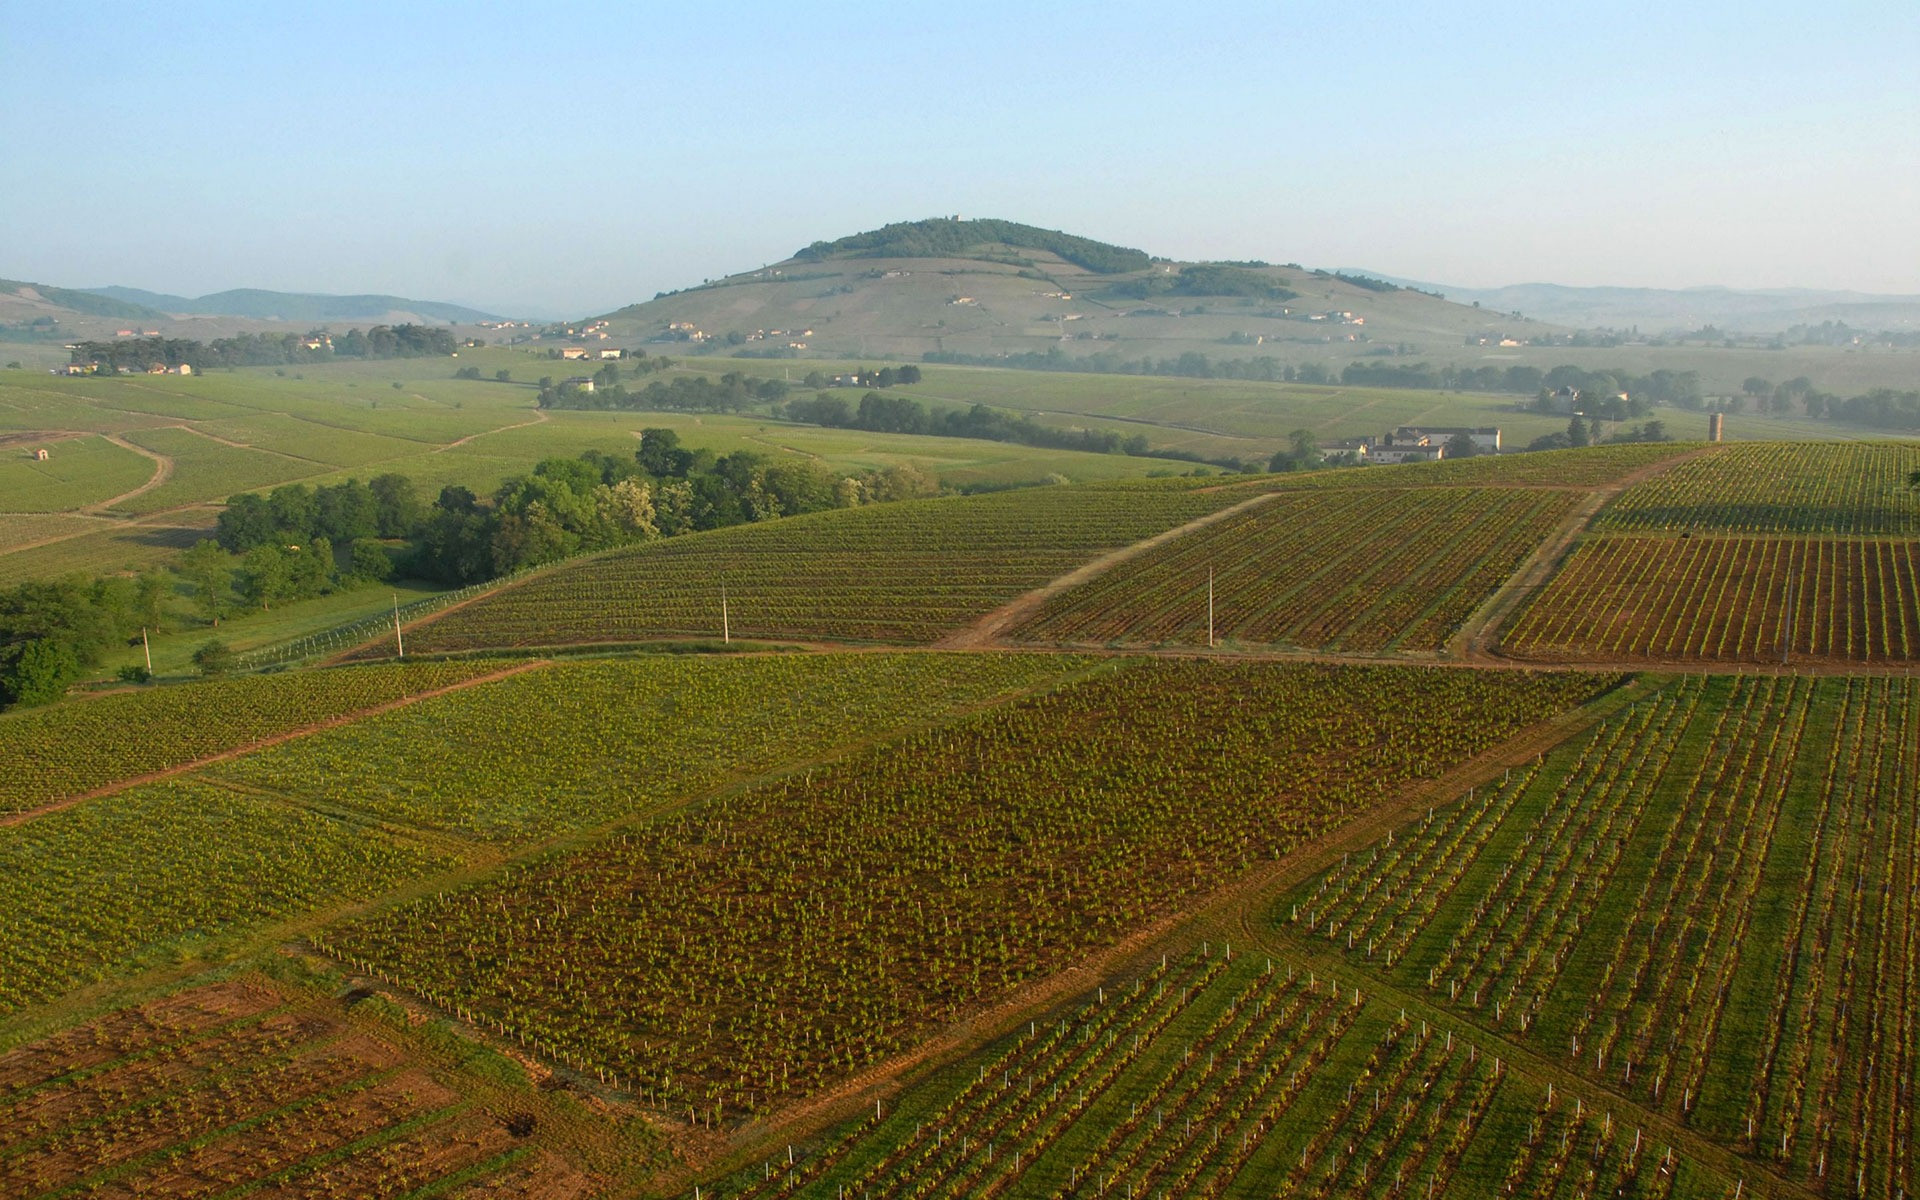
(987, 630)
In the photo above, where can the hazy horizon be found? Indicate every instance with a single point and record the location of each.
(546, 165)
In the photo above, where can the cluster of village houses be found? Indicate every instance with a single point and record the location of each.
(1407, 444)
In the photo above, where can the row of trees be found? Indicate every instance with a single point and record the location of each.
(734, 392)
(876, 413)
(267, 349)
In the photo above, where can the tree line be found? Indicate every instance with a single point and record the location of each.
(299, 541)
(266, 349)
(876, 413)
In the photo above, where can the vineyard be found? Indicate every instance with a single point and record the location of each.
(1846, 488)
(1360, 569)
(572, 746)
(1728, 599)
(153, 874)
(899, 573)
(726, 958)
(1706, 907)
(1224, 1074)
(1592, 466)
(228, 1088)
(47, 755)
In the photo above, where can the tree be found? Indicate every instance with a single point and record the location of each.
(626, 507)
(1302, 453)
(210, 570)
(1461, 445)
(247, 521)
(266, 575)
(1913, 480)
(215, 659)
(396, 506)
(1577, 434)
(37, 671)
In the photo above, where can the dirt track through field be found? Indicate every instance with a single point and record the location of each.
(987, 630)
(333, 722)
(1471, 642)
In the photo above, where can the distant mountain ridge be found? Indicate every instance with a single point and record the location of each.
(80, 300)
(1750, 310)
(260, 304)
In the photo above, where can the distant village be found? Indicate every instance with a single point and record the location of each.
(1407, 444)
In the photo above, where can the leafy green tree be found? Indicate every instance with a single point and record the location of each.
(38, 671)
(266, 575)
(1577, 434)
(1461, 445)
(397, 511)
(209, 570)
(215, 659)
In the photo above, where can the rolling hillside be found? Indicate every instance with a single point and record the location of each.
(988, 288)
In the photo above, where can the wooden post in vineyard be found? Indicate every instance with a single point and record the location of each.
(1786, 624)
(399, 643)
(726, 631)
(147, 648)
(1209, 608)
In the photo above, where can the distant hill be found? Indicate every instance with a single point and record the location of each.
(1657, 310)
(288, 306)
(89, 303)
(993, 291)
(951, 237)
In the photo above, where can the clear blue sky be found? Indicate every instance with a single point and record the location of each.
(567, 159)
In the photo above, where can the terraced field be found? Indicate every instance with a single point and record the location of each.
(1358, 569)
(893, 573)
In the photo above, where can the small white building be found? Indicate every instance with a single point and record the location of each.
(1486, 439)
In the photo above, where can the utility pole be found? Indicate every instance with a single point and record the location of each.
(399, 643)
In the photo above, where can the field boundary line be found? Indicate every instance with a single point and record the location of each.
(1472, 640)
(333, 722)
(987, 630)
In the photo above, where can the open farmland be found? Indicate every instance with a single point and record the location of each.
(772, 942)
(1706, 907)
(52, 754)
(1728, 599)
(1359, 569)
(902, 573)
(1235, 1074)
